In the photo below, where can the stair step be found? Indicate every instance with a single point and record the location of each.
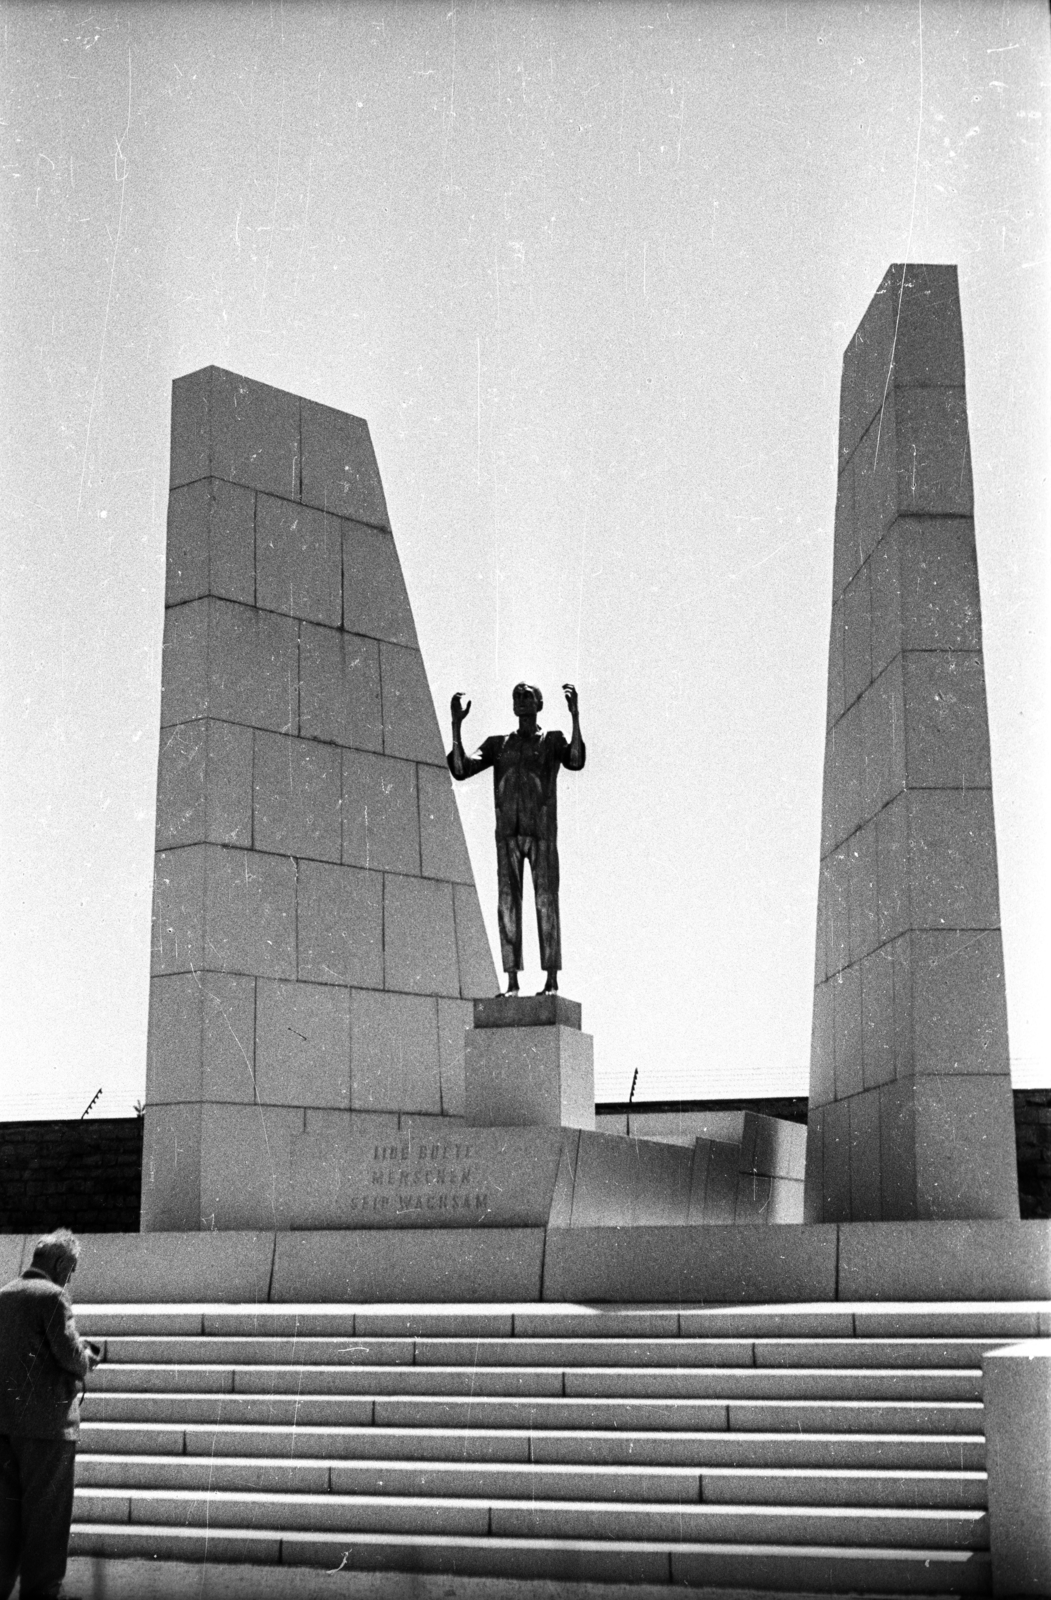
(890, 1451)
(910, 1489)
(632, 1521)
(719, 1383)
(780, 1568)
(537, 1412)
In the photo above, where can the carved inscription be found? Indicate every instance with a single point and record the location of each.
(415, 1177)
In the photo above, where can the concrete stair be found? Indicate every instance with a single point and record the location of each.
(822, 1448)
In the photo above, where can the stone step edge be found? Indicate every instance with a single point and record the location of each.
(554, 1468)
(381, 1430)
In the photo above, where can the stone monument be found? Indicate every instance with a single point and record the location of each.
(911, 1111)
(317, 935)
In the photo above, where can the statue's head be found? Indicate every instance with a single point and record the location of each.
(526, 698)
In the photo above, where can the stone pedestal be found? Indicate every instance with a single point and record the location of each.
(527, 1064)
(1016, 1391)
(910, 1093)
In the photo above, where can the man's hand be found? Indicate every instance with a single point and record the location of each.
(571, 698)
(458, 710)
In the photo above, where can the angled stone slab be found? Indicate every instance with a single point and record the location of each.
(227, 426)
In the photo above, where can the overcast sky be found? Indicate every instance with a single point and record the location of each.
(588, 271)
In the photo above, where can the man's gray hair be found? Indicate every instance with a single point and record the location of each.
(53, 1251)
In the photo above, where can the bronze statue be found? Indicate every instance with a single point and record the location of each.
(525, 773)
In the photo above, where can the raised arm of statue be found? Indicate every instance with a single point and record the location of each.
(462, 765)
(575, 754)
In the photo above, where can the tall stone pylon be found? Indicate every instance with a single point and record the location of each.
(910, 1093)
(317, 938)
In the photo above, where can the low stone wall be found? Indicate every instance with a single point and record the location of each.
(81, 1175)
(86, 1175)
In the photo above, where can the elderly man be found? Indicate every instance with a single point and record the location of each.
(43, 1364)
(525, 767)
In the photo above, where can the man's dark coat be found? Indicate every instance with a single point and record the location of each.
(41, 1358)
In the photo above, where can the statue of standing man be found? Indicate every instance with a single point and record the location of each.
(525, 774)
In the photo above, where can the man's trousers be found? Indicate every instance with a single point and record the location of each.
(36, 1508)
(542, 855)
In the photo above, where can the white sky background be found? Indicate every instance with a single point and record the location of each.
(588, 272)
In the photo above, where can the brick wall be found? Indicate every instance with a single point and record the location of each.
(80, 1175)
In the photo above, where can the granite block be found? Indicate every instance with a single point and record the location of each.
(946, 721)
(419, 936)
(865, 1177)
(340, 925)
(867, 369)
(892, 863)
(226, 426)
(928, 348)
(722, 1172)
(847, 1031)
(780, 1147)
(173, 1268)
(302, 1045)
(897, 1140)
(822, 1047)
(527, 1011)
(959, 1011)
(821, 941)
(211, 542)
(814, 1187)
(394, 1060)
(965, 1148)
(753, 1199)
(201, 1038)
(410, 727)
(339, 688)
(837, 881)
(835, 1162)
(861, 854)
(518, 1077)
(339, 465)
(904, 1039)
(877, 1017)
(432, 1173)
(703, 1264)
(381, 822)
(875, 502)
(611, 1122)
(857, 635)
(443, 849)
(940, 605)
(184, 663)
(846, 547)
(171, 1172)
(933, 453)
(298, 561)
(430, 1265)
(849, 759)
(230, 662)
(836, 701)
(668, 1127)
(952, 859)
(725, 1127)
(204, 784)
(829, 795)
(662, 1189)
(178, 911)
(454, 1018)
(377, 1125)
(1016, 1396)
(565, 1181)
(297, 795)
(246, 1166)
(945, 1261)
(885, 583)
(250, 913)
(477, 971)
(786, 1201)
(883, 741)
(375, 599)
(605, 1181)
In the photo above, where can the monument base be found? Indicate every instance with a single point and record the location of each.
(527, 1064)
